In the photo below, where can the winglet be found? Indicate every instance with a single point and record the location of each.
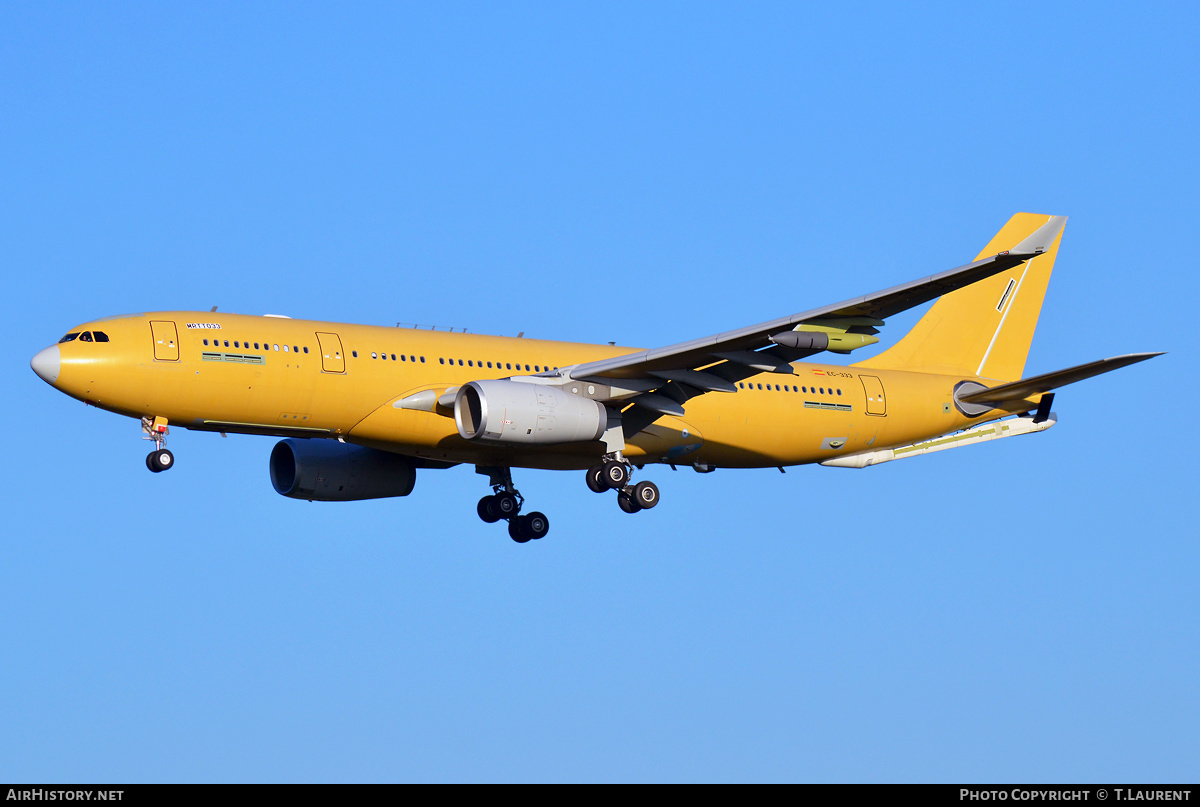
(1042, 238)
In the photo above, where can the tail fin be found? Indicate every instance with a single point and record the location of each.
(984, 329)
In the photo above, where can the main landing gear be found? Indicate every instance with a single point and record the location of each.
(505, 503)
(614, 474)
(160, 459)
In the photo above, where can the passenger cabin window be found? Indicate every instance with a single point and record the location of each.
(71, 337)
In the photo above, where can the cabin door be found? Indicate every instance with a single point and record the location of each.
(874, 389)
(332, 358)
(166, 340)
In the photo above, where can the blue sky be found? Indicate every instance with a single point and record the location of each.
(1026, 610)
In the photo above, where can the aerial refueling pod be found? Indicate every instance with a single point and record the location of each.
(325, 470)
(523, 413)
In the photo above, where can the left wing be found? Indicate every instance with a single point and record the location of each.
(667, 377)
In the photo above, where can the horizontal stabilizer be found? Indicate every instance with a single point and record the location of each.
(1028, 387)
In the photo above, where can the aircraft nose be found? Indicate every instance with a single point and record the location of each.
(47, 364)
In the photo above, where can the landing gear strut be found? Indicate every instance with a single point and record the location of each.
(613, 474)
(160, 459)
(505, 503)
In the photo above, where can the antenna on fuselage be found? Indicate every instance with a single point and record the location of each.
(416, 325)
(213, 309)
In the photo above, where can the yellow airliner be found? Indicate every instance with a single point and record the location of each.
(363, 407)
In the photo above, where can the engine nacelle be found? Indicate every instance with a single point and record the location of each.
(520, 413)
(328, 471)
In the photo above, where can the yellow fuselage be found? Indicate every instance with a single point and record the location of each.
(267, 375)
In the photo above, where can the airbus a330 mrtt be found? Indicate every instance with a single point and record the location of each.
(361, 408)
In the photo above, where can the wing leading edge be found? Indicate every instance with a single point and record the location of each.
(755, 338)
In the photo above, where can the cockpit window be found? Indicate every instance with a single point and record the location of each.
(71, 337)
(87, 336)
(101, 336)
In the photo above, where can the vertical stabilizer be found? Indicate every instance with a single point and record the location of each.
(984, 329)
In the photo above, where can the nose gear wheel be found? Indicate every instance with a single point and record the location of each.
(159, 460)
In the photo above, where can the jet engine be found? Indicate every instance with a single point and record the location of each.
(521, 413)
(328, 471)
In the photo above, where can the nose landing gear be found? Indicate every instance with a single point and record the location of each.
(160, 459)
(505, 503)
(614, 474)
